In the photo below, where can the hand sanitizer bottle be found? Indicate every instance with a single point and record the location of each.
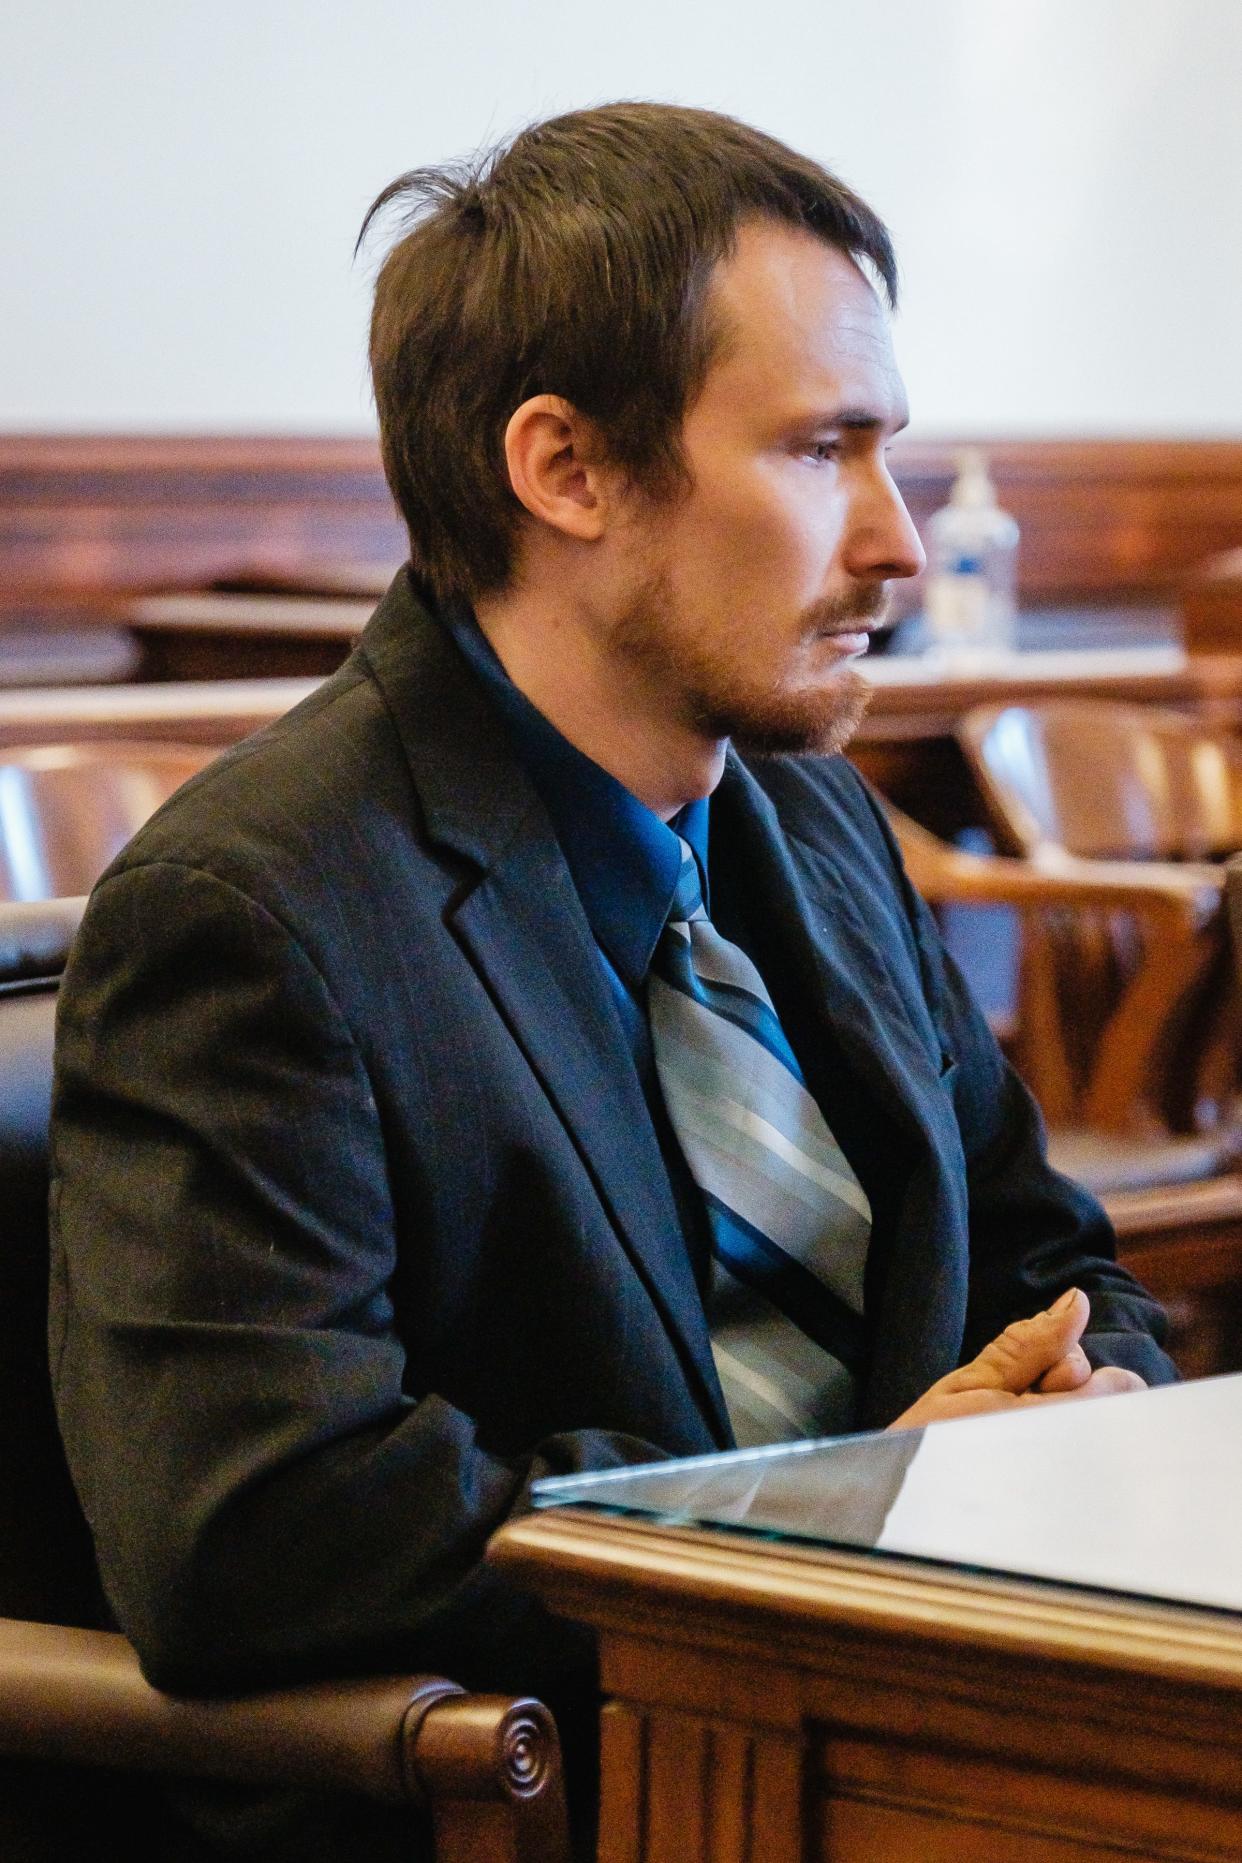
(973, 553)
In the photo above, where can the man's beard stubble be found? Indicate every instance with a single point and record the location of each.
(816, 723)
(818, 720)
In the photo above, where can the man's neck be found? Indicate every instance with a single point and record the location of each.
(564, 668)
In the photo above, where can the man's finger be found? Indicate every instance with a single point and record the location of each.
(1068, 1372)
(1027, 1349)
(1109, 1380)
(1105, 1381)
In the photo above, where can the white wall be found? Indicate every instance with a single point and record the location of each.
(181, 182)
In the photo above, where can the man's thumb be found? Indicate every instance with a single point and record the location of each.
(1028, 1348)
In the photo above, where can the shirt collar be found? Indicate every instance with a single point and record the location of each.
(624, 860)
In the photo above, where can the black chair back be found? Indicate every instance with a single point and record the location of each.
(47, 1568)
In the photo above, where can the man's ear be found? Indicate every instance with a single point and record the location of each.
(556, 468)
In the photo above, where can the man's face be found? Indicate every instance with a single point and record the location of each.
(747, 599)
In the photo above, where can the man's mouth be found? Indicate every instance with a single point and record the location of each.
(849, 641)
(852, 632)
(851, 628)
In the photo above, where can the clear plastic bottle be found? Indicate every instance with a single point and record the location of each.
(971, 571)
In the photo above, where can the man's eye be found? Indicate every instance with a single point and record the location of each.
(824, 449)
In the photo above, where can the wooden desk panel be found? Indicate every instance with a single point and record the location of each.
(187, 638)
(775, 1704)
(215, 711)
(102, 513)
(213, 636)
(1184, 1242)
(916, 697)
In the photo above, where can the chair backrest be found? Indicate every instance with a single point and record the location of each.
(67, 809)
(47, 1566)
(1106, 780)
(47, 1570)
(1125, 1017)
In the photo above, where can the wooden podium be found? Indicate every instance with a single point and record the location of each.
(774, 1702)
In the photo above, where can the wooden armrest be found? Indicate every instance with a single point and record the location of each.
(1183, 896)
(486, 1765)
(1196, 888)
(1180, 913)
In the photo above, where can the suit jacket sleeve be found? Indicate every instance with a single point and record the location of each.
(1033, 1232)
(270, 1493)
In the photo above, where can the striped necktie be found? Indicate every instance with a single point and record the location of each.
(790, 1223)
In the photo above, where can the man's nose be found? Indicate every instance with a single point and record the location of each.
(882, 542)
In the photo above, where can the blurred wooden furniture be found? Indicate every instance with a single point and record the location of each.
(67, 809)
(243, 635)
(81, 1732)
(1111, 520)
(209, 711)
(907, 744)
(1184, 1242)
(1098, 1057)
(1140, 944)
(910, 747)
(1211, 605)
(1164, 794)
(794, 1704)
(85, 515)
(1233, 893)
(1106, 780)
(350, 579)
(87, 520)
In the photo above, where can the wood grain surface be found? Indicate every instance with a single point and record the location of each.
(82, 515)
(769, 1702)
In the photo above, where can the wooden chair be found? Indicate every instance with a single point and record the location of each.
(1211, 605)
(67, 809)
(1105, 780)
(1100, 1068)
(1173, 1196)
(80, 1730)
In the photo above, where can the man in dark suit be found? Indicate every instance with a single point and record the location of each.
(395, 1165)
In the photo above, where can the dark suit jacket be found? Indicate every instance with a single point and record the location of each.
(360, 1220)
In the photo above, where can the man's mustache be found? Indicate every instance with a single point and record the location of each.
(839, 614)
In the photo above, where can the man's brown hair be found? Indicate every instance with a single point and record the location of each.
(575, 261)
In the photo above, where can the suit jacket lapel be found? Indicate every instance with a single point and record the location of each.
(832, 940)
(812, 903)
(518, 917)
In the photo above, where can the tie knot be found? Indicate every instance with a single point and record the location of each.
(688, 894)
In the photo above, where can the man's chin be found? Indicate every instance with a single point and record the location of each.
(818, 723)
